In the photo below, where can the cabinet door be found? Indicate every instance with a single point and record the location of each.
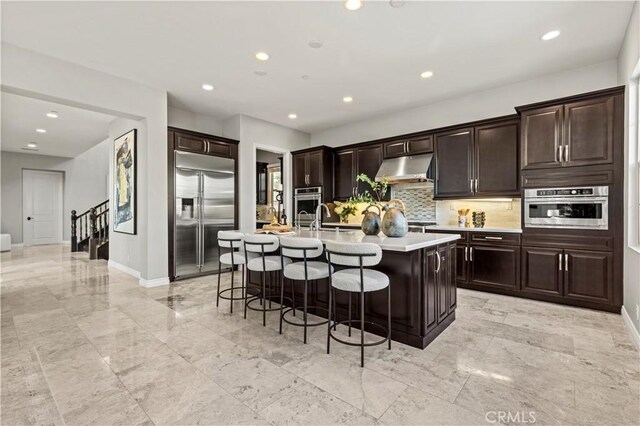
(368, 160)
(444, 282)
(497, 160)
(588, 276)
(589, 132)
(314, 168)
(299, 170)
(190, 143)
(454, 164)
(494, 266)
(541, 138)
(345, 178)
(462, 263)
(430, 289)
(219, 149)
(395, 149)
(452, 267)
(542, 270)
(420, 146)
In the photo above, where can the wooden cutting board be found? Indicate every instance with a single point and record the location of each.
(278, 228)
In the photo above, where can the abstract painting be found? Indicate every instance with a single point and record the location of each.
(124, 177)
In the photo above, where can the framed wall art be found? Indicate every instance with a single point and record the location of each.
(124, 182)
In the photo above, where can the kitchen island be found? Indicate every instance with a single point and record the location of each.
(421, 269)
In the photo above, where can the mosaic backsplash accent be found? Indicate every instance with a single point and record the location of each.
(418, 200)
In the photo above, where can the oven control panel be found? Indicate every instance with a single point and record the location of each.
(566, 191)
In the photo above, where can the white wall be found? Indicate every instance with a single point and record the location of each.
(628, 73)
(85, 184)
(476, 106)
(188, 120)
(254, 133)
(32, 74)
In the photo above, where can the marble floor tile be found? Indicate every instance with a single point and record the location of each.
(414, 407)
(81, 343)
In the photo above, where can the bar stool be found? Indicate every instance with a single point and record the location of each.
(307, 270)
(357, 280)
(259, 246)
(232, 240)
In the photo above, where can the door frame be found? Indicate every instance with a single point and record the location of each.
(286, 174)
(59, 174)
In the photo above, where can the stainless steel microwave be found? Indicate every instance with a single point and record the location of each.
(567, 208)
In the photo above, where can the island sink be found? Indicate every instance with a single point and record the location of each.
(421, 268)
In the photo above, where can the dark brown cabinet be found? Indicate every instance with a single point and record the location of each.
(368, 160)
(414, 146)
(566, 135)
(314, 167)
(478, 162)
(496, 159)
(202, 145)
(494, 266)
(430, 289)
(345, 174)
(454, 164)
(542, 270)
(440, 283)
(588, 275)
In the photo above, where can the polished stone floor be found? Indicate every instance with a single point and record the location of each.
(84, 344)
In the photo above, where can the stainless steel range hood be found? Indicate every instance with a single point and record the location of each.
(412, 168)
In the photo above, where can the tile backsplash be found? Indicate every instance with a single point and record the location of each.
(418, 200)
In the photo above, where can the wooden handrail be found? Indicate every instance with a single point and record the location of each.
(93, 223)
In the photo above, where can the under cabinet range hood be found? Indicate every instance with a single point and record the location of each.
(412, 168)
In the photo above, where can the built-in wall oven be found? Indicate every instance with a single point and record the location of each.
(567, 208)
(306, 201)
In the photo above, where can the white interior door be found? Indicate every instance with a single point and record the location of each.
(42, 207)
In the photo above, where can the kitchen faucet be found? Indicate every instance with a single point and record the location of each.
(298, 221)
(315, 225)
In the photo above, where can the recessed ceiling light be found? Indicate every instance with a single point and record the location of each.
(207, 87)
(550, 35)
(397, 3)
(305, 77)
(52, 114)
(426, 74)
(293, 116)
(316, 44)
(32, 145)
(41, 131)
(261, 73)
(353, 4)
(347, 99)
(262, 56)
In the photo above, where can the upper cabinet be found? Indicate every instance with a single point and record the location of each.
(314, 167)
(479, 161)
(203, 144)
(368, 160)
(568, 134)
(351, 162)
(413, 146)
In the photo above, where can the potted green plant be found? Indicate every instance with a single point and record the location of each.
(379, 188)
(346, 209)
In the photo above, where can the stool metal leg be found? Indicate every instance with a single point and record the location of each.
(329, 317)
(349, 314)
(218, 296)
(335, 310)
(233, 268)
(389, 313)
(281, 300)
(304, 298)
(362, 328)
(264, 302)
(293, 297)
(245, 280)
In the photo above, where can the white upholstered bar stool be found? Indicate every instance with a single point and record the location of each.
(232, 241)
(357, 278)
(305, 269)
(262, 247)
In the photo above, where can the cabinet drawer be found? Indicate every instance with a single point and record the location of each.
(463, 234)
(420, 146)
(190, 143)
(568, 241)
(494, 238)
(395, 149)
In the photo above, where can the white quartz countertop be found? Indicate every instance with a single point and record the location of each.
(457, 228)
(411, 241)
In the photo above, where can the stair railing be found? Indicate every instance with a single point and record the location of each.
(88, 224)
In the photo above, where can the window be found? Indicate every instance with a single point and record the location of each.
(274, 184)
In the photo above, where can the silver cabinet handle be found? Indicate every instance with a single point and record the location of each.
(493, 238)
(471, 254)
(476, 186)
(438, 259)
(471, 185)
(560, 262)
(566, 153)
(566, 262)
(559, 154)
(466, 254)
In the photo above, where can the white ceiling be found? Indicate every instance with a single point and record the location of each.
(375, 54)
(72, 133)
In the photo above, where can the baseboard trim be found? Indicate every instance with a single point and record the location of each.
(17, 245)
(123, 268)
(156, 282)
(635, 335)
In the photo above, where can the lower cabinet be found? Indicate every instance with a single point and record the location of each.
(580, 275)
(439, 284)
(489, 266)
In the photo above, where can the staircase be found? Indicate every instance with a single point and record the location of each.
(90, 231)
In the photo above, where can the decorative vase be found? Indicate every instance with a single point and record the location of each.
(371, 222)
(394, 222)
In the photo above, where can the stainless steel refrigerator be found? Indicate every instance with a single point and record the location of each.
(205, 196)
